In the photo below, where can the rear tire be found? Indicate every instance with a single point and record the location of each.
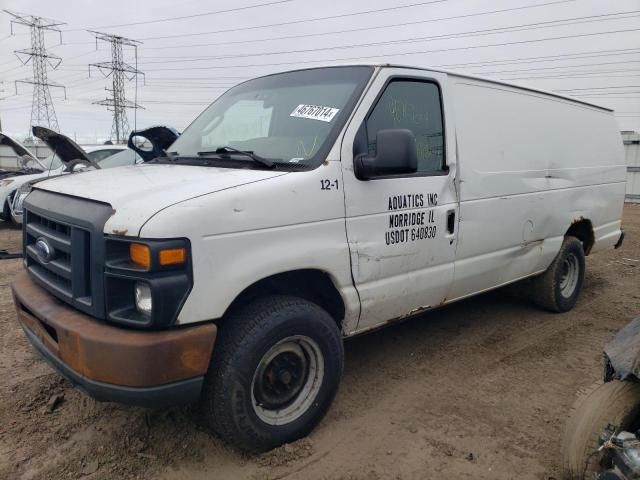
(275, 370)
(613, 403)
(558, 288)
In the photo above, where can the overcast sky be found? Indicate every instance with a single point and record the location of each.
(585, 48)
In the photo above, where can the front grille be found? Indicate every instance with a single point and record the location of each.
(65, 270)
(73, 230)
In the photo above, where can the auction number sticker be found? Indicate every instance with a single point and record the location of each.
(315, 112)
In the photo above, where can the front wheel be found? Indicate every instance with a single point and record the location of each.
(276, 367)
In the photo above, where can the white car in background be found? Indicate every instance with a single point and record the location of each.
(143, 145)
(65, 151)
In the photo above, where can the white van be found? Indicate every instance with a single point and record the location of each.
(301, 208)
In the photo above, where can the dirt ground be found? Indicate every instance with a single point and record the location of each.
(476, 390)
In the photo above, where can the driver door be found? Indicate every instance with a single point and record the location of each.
(402, 229)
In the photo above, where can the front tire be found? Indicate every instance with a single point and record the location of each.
(613, 403)
(558, 288)
(275, 370)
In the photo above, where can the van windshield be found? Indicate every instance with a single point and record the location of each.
(288, 118)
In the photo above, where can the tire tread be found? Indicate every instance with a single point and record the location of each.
(238, 328)
(601, 404)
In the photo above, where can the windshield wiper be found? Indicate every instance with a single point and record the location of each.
(247, 153)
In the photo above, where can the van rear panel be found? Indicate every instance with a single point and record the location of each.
(530, 164)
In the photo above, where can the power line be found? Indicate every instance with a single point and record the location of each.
(570, 76)
(295, 22)
(472, 33)
(324, 33)
(550, 58)
(605, 94)
(415, 52)
(565, 66)
(597, 88)
(204, 14)
(506, 61)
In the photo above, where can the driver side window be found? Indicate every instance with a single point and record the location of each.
(414, 105)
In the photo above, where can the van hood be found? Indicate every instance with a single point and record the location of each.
(137, 192)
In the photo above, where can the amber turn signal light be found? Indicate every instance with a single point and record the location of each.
(140, 255)
(172, 256)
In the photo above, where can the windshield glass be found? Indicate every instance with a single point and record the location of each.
(291, 117)
(52, 162)
(125, 157)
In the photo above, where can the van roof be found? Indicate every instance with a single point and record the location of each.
(499, 82)
(457, 74)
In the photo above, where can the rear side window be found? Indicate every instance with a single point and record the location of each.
(416, 106)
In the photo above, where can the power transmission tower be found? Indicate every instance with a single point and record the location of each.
(119, 71)
(42, 111)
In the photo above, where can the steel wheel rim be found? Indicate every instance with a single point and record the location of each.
(570, 275)
(287, 380)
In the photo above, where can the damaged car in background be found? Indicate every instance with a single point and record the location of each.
(75, 160)
(26, 162)
(602, 437)
(66, 155)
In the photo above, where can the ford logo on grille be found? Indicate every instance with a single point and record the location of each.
(44, 250)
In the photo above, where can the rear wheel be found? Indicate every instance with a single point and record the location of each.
(558, 288)
(276, 368)
(613, 403)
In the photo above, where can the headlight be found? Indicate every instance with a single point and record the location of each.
(146, 280)
(6, 182)
(142, 294)
(18, 199)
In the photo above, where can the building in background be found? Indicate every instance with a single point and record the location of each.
(631, 142)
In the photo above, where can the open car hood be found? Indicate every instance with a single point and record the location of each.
(623, 352)
(66, 149)
(27, 160)
(160, 137)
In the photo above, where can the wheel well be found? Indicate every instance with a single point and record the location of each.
(582, 229)
(313, 285)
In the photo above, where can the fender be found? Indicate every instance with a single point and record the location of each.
(622, 354)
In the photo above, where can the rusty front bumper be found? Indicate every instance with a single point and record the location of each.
(111, 363)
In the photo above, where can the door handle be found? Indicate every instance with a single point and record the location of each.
(451, 221)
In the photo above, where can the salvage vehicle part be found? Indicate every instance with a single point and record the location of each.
(26, 161)
(600, 439)
(6, 255)
(122, 158)
(613, 403)
(64, 150)
(160, 137)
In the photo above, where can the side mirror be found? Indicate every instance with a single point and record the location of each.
(396, 154)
